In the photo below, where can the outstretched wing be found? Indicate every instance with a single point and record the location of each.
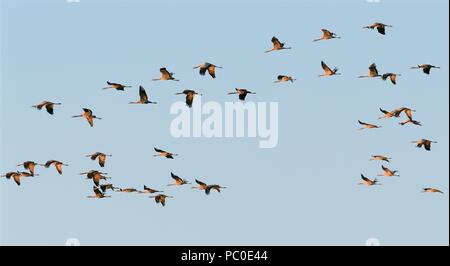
(212, 71)
(373, 70)
(158, 150)
(408, 113)
(326, 33)
(326, 68)
(95, 155)
(381, 29)
(362, 123)
(97, 192)
(175, 177)
(17, 178)
(102, 160)
(200, 183)
(242, 95)
(393, 78)
(276, 42)
(365, 178)
(164, 71)
(384, 111)
(142, 94)
(88, 111)
(90, 120)
(49, 107)
(50, 162)
(189, 99)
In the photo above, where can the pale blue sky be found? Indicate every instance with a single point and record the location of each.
(303, 192)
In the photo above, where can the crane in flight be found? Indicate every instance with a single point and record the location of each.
(143, 98)
(368, 182)
(327, 35)
(48, 106)
(161, 198)
(116, 86)
(426, 68)
(277, 45)
(426, 143)
(165, 75)
(163, 153)
(211, 68)
(328, 70)
(242, 93)
(189, 96)
(87, 113)
(380, 27)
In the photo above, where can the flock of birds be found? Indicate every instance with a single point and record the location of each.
(100, 189)
(96, 176)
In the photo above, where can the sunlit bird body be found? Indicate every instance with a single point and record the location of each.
(29, 165)
(150, 190)
(367, 125)
(178, 180)
(116, 86)
(328, 70)
(17, 175)
(380, 27)
(207, 188)
(380, 158)
(58, 165)
(424, 142)
(211, 68)
(283, 78)
(163, 153)
(391, 76)
(48, 106)
(368, 182)
(213, 187)
(96, 176)
(161, 198)
(143, 98)
(201, 185)
(373, 72)
(409, 114)
(387, 114)
(432, 190)
(165, 75)
(14, 175)
(388, 172)
(327, 35)
(277, 45)
(101, 157)
(127, 190)
(242, 93)
(87, 113)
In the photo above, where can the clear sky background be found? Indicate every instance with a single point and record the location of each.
(303, 192)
